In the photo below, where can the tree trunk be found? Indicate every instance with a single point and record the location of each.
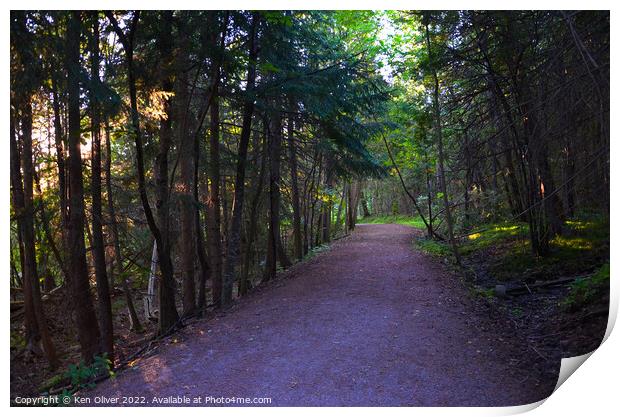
(86, 320)
(103, 290)
(150, 307)
(203, 258)
(233, 241)
(187, 204)
(214, 238)
(254, 206)
(275, 251)
(61, 163)
(135, 324)
(440, 151)
(297, 238)
(168, 315)
(35, 322)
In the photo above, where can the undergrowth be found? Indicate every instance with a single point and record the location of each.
(415, 222)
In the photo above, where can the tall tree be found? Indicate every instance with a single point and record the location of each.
(168, 315)
(86, 320)
(234, 235)
(103, 286)
(297, 238)
(439, 138)
(214, 236)
(186, 160)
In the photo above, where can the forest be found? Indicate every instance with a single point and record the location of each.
(167, 165)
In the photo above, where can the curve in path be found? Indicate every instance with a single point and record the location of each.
(370, 322)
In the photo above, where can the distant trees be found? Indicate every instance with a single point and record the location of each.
(513, 88)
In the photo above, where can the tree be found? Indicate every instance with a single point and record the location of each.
(233, 241)
(103, 290)
(439, 139)
(86, 320)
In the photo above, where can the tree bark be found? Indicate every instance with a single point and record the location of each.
(86, 320)
(440, 150)
(233, 241)
(187, 204)
(35, 323)
(244, 284)
(134, 320)
(297, 238)
(214, 238)
(98, 250)
(275, 252)
(168, 315)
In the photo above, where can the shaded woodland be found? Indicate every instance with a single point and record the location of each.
(165, 163)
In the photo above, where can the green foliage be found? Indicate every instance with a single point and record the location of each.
(415, 222)
(433, 247)
(84, 376)
(53, 382)
(493, 234)
(316, 250)
(584, 245)
(587, 289)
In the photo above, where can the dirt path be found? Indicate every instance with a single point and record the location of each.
(370, 322)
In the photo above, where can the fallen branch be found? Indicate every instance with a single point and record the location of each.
(528, 288)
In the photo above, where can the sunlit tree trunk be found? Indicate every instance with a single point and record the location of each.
(103, 286)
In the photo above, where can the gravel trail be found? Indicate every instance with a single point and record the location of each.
(371, 322)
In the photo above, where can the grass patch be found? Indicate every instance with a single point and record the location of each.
(582, 247)
(415, 222)
(433, 247)
(489, 235)
(316, 250)
(493, 234)
(585, 290)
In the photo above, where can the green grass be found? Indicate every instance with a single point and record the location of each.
(588, 289)
(489, 235)
(415, 222)
(433, 247)
(492, 234)
(583, 246)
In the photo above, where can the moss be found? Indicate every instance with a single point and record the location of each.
(583, 246)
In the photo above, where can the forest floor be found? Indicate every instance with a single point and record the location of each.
(371, 322)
